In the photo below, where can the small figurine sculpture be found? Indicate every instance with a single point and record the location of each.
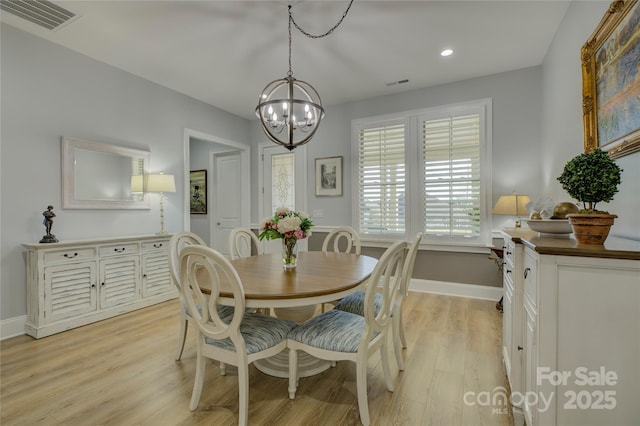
(48, 224)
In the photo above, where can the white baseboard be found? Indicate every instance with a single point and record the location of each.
(456, 289)
(12, 327)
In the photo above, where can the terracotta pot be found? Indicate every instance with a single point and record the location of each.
(591, 228)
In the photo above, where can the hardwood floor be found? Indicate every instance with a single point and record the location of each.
(121, 371)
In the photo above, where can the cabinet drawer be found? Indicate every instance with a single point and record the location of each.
(69, 254)
(160, 245)
(530, 280)
(119, 249)
(509, 252)
(507, 283)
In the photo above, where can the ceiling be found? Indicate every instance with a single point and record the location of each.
(225, 52)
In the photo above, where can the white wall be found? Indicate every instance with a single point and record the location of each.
(562, 128)
(48, 92)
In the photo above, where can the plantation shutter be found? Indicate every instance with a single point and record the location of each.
(451, 148)
(382, 174)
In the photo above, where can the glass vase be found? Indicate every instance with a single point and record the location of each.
(289, 253)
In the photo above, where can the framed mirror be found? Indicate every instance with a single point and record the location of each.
(102, 176)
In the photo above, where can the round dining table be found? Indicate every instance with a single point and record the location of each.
(294, 294)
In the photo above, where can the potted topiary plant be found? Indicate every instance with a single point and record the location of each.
(591, 178)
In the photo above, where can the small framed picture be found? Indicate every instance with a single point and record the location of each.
(329, 177)
(198, 191)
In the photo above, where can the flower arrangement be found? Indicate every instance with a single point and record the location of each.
(289, 225)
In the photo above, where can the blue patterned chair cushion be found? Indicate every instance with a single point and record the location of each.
(334, 330)
(259, 331)
(354, 303)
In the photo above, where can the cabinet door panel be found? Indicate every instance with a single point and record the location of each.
(71, 290)
(119, 281)
(155, 274)
(530, 366)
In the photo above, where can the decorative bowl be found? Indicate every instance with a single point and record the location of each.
(550, 226)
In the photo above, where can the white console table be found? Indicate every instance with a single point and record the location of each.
(74, 283)
(572, 329)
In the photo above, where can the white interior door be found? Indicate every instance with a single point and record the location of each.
(226, 185)
(284, 184)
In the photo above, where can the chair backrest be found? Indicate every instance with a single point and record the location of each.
(344, 236)
(385, 279)
(409, 262)
(241, 241)
(176, 244)
(202, 266)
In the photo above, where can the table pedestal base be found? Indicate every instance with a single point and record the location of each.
(278, 365)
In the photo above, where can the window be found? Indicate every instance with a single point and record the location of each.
(382, 179)
(283, 181)
(425, 171)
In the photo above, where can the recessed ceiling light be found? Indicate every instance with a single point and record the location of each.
(446, 52)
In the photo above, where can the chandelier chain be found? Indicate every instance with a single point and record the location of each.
(332, 29)
(344, 15)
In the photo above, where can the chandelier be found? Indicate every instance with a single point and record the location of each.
(290, 110)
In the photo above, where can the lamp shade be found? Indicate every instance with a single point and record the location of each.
(160, 183)
(512, 205)
(137, 183)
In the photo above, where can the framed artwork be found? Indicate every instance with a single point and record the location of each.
(198, 191)
(611, 81)
(329, 177)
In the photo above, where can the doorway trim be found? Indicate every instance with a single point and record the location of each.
(245, 157)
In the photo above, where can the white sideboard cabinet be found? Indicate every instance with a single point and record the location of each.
(70, 284)
(575, 332)
(512, 308)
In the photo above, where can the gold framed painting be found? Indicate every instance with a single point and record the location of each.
(611, 81)
(198, 191)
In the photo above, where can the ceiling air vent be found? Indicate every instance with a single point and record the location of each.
(41, 12)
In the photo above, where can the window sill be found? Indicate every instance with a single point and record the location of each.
(456, 248)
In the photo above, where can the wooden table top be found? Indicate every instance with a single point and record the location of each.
(317, 277)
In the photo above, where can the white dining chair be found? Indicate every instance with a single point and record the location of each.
(342, 336)
(343, 239)
(354, 302)
(176, 244)
(239, 340)
(242, 243)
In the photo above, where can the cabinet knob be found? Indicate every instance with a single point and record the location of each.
(508, 271)
(70, 256)
(119, 250)
(509, 253)
(102, 284)
(520, 348)
(526, 272)
(156, 245)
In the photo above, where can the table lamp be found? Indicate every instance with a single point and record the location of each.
(512, 205)
(161, 183)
